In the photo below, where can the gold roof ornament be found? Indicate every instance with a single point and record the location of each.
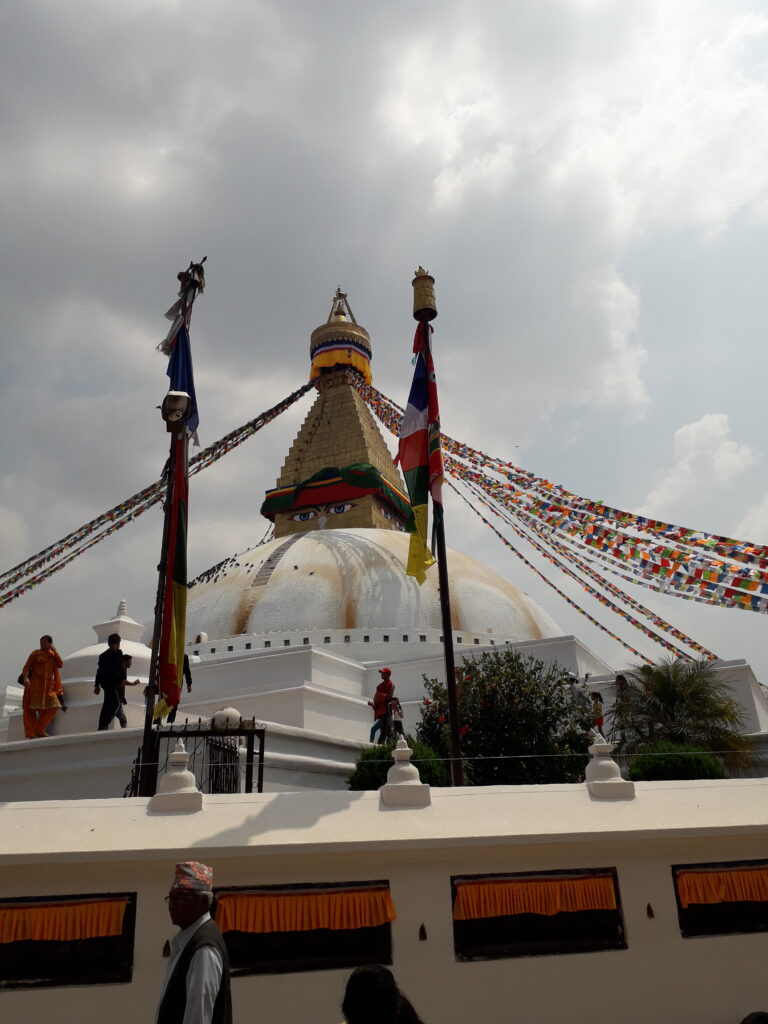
(424, 302)
(340, 342)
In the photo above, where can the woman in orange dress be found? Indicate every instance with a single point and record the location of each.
(42, 688)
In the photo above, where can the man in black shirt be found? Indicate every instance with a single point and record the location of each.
(110, 676)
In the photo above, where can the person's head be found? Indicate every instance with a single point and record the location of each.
(758, 1017)
(595, 696)
(190, 895)
(371, 997)
(113, 639)
(127, 660)
(46, 642)
(621, 680)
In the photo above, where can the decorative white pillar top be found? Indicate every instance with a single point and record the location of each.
(404, 787)
(177, 789)
(603, 775)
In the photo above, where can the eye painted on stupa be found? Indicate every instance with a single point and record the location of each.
(336, 510)
(305, 515)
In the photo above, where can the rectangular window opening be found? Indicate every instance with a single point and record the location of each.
(286, 643)
(84, 939)
(422, 638)
(385, 639)
(267, 643)
(728, 898)
(213, 650)
(366, 639)
(536, 914)
(247, 647)
(347, 638)
(353, 917)
(405, 638)
(326, 639)
(230, 648)
(305, 641)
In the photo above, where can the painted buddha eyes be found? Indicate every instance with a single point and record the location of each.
(306, 514)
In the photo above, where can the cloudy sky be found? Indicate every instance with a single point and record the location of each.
(584, 178)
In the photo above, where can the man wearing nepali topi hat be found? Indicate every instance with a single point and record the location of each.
(196, 986)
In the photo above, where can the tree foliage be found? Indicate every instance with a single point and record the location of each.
(685, 703)
(519, 721)
(665, 760)
(372, 766)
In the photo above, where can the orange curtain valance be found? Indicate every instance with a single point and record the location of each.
(303, 911)
(502, 897)
(733, 886)
(61, 922)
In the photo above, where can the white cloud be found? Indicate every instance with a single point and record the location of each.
(754, 523)
(706, 458)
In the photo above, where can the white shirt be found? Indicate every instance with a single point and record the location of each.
(203, 976)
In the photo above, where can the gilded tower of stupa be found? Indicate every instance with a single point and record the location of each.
(339, 473)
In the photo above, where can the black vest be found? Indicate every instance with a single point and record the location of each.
(174, 1001)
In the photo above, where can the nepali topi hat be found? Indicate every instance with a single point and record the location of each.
(193, 876)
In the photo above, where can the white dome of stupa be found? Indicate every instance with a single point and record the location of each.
(354, 578)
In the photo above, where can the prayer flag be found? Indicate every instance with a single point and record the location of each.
(173, 632)
(182, 378)
(420, 454)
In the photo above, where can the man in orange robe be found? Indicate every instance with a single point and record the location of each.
(42, 688)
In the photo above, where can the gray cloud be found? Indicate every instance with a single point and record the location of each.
(581, 177)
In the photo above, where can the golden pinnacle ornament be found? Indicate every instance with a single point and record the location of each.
(424, 304)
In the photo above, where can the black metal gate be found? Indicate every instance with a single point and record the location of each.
(214, 756)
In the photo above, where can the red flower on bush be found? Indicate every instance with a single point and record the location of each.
(441, 718)
(426, 701)
(463, 730)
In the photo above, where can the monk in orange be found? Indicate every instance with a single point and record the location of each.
(42, 688)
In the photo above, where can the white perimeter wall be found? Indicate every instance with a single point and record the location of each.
(661, 977)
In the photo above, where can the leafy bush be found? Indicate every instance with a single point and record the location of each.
(519, 721)
(685, 703)
(372, 766)
(665, 760)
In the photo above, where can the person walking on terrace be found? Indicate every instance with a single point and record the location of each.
(110, 676)
(43, 691)
(380, 704)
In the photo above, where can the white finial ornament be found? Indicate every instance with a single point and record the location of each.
(603, 775)
(404, 787)
(177, 789)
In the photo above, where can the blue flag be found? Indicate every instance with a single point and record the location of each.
(182, 377)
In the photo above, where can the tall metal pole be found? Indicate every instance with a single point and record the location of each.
(424, 310)
(457, 772)
(147, 767)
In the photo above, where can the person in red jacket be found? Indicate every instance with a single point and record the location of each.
(380, 703)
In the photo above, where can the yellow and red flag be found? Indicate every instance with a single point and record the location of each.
(173, 632)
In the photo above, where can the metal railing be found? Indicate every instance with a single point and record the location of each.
(214, 756)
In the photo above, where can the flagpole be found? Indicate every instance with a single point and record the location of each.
(424, 310)
(179, 411)
(147, 769)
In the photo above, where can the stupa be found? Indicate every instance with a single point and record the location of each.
(294, 631)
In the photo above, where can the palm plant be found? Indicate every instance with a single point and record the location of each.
(683, 702)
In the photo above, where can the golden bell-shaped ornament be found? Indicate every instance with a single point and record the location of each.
(424, 303)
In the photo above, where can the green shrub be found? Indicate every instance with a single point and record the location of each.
(372, 766)
(519, 722)
(666, 761)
